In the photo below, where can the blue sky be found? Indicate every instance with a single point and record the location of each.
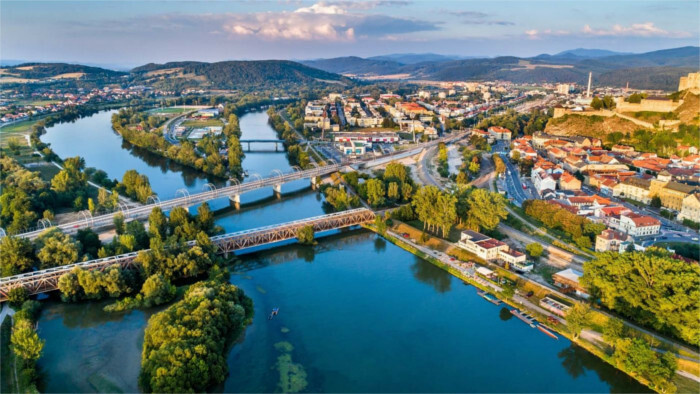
(137, 32)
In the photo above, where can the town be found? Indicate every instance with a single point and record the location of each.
(438, 189)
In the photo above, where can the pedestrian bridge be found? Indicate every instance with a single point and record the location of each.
(47, 280)
(278, 144)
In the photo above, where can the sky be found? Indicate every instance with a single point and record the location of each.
(129, 33)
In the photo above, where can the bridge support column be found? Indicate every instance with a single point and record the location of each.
(235, 201)
(278, 190)
(315, 180)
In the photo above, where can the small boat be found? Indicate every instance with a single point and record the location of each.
(274, 313)
(489, 297)
(547, 331)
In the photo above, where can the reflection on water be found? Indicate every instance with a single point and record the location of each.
(431, 275)
(505, 314)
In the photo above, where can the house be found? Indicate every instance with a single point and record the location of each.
(633, 188)
(568, 281)
(569, 182)
(690, 209)
(638, 225)
(610, 240)
(516, 260)
(499, 133)
(542, 181)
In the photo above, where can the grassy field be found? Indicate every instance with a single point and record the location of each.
(202, 123)
(39, 102)
(170, 110)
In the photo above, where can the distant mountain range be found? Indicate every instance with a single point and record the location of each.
(650, 70)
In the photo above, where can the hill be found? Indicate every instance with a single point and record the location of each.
(589, 126)
(40, 72)
(414, 58)
(651, 70)
(689, 111)
(233, 75)
(353, 65)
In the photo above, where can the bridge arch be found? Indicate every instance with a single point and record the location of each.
(210, 187)
(2, 232)
(155, 200)
(44, 223)
(278, 173)
(296, 169)
(183, 193)
(87, 217)
(123, 208)
(256, 176)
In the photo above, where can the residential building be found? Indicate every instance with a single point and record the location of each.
(499, 133)
(383, 137)
(638, 225)
(543, 181)
(610, 240)
(491, 249)
(569, 182)
(633, 188)
(690, 209)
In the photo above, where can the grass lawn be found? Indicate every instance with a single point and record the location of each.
(39, 102)
(202, 123)
(22, 127)
(46, 172)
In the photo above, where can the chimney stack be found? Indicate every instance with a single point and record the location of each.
(588, 92)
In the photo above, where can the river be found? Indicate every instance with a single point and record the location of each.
(357, 314)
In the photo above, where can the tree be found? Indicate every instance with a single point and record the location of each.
(157, 223)
(613, 330)
(118, 221)
(56, 249)
(157, 290)
(596, 103)
(486, 209)
(499, 164)
(380, 223)
(25, 341)
(375, 192)
(406, 192)
(393, 191)
(16, 255)
(89, 241)
(396, 172)
(534, 250)
(649, 287)
(656, 202)
(305, 235)
(577, 318)
(474, 167)
(446, 212)
(16, 296)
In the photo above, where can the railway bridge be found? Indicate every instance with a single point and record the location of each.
(278, 143)
(47, 280)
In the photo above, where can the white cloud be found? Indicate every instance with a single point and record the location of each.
(646, 29)
(537, 34)
(320, 22)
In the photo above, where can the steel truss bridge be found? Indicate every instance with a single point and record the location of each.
(47, 280)
(277, 143)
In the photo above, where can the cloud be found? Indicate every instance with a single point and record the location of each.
(535, 34)
(478, 18)
(646, 29)
(321, 22)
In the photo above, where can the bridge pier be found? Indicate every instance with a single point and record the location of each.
(278, 190)
(315, 180)
(235, 201)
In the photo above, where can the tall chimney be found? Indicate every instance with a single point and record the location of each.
(588, 92)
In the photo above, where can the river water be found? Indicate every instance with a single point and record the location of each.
(357, 314)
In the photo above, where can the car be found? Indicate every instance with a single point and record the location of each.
(452, 259)
(405, 235)
(524, 186)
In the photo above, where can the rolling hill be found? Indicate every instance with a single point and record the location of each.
(40, 72)
(650, 70)
(232, 75)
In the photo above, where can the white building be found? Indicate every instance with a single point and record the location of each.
(543, 181)
(639, 225)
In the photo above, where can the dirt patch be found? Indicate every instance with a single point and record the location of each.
(69, 76)
(26, 68)
(163, 71)
(15, 80)
(526, 65)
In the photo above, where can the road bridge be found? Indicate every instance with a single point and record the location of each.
(47, 280)
(233, 192)
(277, 143)
(185, 199)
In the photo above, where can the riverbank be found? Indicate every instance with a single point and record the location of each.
(686, 378)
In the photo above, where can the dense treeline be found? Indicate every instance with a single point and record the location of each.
(651, 288)
(519, 124)
(392, 186)
(662, 142)
(581, 230)
(185, 346)
(295, 153)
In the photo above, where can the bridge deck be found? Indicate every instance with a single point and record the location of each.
(47, 280)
